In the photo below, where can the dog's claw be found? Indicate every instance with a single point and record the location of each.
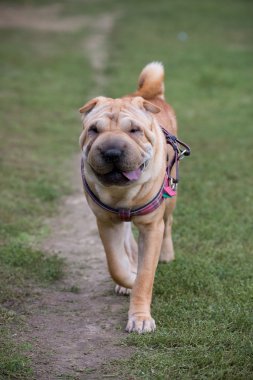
(122, 291)
(140, 325)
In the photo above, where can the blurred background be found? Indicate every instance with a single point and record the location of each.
(56, 56)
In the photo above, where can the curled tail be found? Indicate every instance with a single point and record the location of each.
(151, 81)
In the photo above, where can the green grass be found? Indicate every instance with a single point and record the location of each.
(202, 301)
(45, 79)
(14, 363)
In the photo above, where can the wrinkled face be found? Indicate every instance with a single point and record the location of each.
(118, 139)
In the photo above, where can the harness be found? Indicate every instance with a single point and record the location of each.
(167, 190)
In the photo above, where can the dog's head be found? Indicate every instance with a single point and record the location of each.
(118, 138)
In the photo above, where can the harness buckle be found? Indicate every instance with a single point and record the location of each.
(173, 183)
(125, 214)
(182, 154)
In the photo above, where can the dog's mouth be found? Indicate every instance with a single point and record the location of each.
(117, 177)
(134, 175)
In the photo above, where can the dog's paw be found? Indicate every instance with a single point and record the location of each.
(140, 324)
(166, 256)
(122, 291)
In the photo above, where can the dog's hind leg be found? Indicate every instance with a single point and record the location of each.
(121, 266)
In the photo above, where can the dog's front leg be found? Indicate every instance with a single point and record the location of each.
(150, 240)
(113, 238)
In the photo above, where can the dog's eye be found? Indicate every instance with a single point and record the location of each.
(135, 130)
(93, 129)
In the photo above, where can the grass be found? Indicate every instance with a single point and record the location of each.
(42, 86)
(14, 362)
(202, 301)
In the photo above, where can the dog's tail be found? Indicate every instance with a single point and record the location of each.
(151, 81)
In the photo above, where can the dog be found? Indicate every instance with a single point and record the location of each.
(129, 167)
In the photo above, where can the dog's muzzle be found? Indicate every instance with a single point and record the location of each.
(112, 155)
(117, 164)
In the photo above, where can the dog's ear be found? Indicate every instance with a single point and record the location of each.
(151, 107)
(91, 104)
(88, 106)
(143, 103)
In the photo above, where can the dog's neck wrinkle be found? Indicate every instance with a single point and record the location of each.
(147, 192)
(117, 198)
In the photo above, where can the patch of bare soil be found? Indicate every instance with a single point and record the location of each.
(75, 332)
(96, 45)
(42, 18)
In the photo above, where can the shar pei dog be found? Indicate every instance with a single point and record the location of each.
(130, 156)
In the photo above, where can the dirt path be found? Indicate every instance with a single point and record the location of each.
(76, 325)
(75, 333)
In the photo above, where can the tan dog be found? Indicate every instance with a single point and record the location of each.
(124, 164)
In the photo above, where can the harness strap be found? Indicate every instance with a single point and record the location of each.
(179, 153)
(124, 213)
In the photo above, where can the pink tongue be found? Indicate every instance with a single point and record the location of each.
(134, 175)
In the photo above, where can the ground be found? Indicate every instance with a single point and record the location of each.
(77, 330)
(71, 324)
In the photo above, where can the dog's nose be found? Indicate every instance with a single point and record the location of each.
(112, 155)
